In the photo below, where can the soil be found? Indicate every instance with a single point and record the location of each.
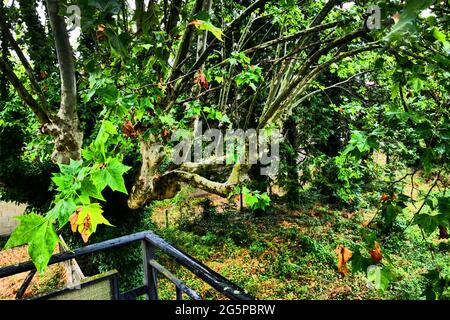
(54, 277)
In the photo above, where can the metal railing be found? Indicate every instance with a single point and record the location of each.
(150, 243)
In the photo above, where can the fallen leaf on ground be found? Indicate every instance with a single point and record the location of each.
(376, 252)
(344, 255)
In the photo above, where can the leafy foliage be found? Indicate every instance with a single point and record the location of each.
(343, 95)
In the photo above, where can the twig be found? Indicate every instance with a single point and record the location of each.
(424, 200)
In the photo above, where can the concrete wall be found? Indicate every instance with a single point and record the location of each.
(8, 211)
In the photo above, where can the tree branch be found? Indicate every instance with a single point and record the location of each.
(26, 65)
(26, 97)
(183, 49)
(196, 180)
(178, 86)
(302, 81)
(293, 36)
(172, 20)
(256, 5)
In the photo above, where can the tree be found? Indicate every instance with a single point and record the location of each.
(151, 72)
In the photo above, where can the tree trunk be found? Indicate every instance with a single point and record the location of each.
(66, 127)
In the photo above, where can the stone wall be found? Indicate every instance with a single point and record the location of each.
(8, 212)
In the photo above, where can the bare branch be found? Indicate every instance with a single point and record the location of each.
(302, 80)
(23, 93)
(293, 36)
(256, 5)
(26, 65)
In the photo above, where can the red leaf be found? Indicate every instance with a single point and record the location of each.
(376, 252)
(200, 79)
(128, 130)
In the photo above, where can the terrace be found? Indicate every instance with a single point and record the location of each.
(107, 286)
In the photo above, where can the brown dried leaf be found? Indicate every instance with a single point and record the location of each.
(396, 17)
(443, 232)
(376, 253)
(200, 79)
(344, 255)
(101, 35)
(73, 221)
(129, 130)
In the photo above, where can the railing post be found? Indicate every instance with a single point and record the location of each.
(150, 275)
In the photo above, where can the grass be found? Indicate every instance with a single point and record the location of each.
(290, 254)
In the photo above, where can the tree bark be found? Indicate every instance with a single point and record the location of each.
(66, 127)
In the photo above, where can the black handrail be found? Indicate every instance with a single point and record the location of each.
(64, 256)
(208, 275)
(150, 242)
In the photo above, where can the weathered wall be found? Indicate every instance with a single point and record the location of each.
(8, 212)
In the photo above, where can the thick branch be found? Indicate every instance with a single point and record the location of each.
(299, 78)
(174, 14)
(23, 93)
(65, 129)
(292, 91)
(196, 180)
(139, 15)
(185, 42)
(325, 11)
(222, 189)
(65, 59)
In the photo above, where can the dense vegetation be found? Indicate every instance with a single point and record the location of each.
(359, 91)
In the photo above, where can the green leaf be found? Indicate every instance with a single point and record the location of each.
(412, 9)
(417, 83)
(62, 211)
(88, 188)
(111, 175)
(25, 230)
(68, 181)
(439, 35)
(359, 263)
(89, 218)
(39, 234)
(380, 277)
(167, 119)
(109, 93)
(427, 160)
(42, 245)
(444, 205)
(72, 168)
(117, 43)
(428, 223)
(207, 26)
(391, 212)
(107, 129)
(102, 140)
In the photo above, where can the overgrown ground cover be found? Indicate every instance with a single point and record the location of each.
(290, 254)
